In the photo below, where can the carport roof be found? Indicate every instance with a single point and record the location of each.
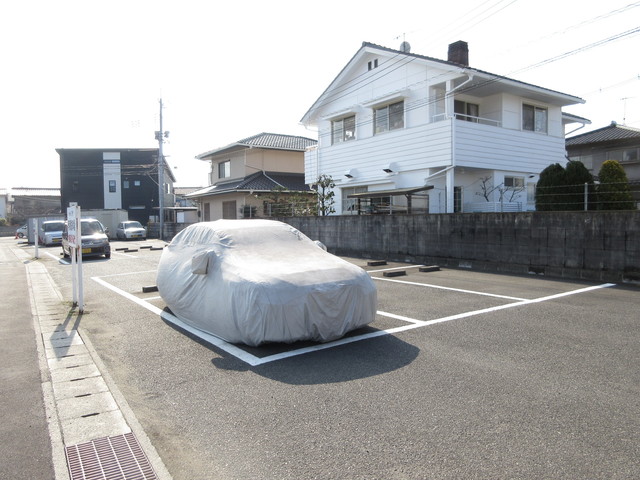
(391, 192)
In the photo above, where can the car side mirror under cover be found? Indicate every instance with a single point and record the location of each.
(201, 261)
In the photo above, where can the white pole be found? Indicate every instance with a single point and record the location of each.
(586, 195)
(74, 277)
(35, 232)
(72, 237)
(80, 283)
(161, 176)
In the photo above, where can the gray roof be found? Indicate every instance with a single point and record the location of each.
(613, 132)
(273, 141)
(257, 182)
(31, 192)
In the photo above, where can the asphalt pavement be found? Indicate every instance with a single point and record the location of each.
(462, 375)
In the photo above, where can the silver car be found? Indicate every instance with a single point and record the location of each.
(131, 229)
(262, 281)
(22, 231)
(51, 232)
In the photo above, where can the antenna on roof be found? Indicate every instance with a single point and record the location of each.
(405, 47)
(624, 114)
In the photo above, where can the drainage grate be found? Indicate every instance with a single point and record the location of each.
(109, 458)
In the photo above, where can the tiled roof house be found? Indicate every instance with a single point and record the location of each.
(244, 171)
(613, 142)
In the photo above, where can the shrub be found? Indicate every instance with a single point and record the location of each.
(614, 192)
(576, 175)
(550, 188)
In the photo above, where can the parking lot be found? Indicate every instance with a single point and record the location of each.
(462, 375)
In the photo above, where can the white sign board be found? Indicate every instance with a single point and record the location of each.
(72, 224)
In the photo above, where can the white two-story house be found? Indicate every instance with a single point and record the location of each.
(433, 136)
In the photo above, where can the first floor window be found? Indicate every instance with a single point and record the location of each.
(534, 119)
(389, 117)
(224, 169)
(229, 210)
(343, 130)
(112, 186)
(514, 182)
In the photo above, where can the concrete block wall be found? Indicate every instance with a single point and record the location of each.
(598, 246)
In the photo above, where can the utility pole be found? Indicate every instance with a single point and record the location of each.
(160, 136)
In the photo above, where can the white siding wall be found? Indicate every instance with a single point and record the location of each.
(488, 147)
(418, 148)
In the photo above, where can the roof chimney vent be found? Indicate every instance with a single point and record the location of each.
(459, 53)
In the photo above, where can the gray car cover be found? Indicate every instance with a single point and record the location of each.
(257, 281)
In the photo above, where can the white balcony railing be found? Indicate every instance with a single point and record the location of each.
(467, 118)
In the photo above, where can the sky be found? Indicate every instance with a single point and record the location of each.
(90, 74)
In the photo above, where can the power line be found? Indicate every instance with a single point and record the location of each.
(449, 28)
(604, 41)
(572, 27)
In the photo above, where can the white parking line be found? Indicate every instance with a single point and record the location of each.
(448, 288)
(57, 257)
(394, 268)
(123, 254)
(413, 323)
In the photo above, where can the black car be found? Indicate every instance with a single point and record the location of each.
(95, 241)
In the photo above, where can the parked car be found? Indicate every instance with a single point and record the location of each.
(51, 232)
(22, 231)
(260, 281)
(94, 239)
(131, 229)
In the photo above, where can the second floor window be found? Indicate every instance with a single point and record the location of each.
(389, 117)
(224, 169)
(534, 119)
(466, 111)
(343, 130)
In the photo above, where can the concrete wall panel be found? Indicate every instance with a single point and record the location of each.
(599, 246)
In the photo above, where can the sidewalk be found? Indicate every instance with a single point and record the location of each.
(82, 427)
(25, 446)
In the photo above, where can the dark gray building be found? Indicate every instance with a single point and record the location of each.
(114, 178)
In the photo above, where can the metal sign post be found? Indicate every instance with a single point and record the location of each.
(74, 236)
